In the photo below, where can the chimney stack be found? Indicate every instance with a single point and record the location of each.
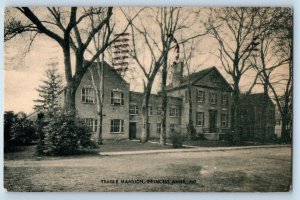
(177, 74)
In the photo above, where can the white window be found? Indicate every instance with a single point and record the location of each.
(200, 96)
(213, 98)
(92, 124)
(159, 110)
(117, 97)
(150, 110)
(88, 95)
(224, 120)
(224, 99)
(173, 111)
(133, 109)
(158, 128)
(117, 126)
(200, 118)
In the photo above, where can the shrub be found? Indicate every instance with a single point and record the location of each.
(176, 139)
(65, 133)
(18, 129)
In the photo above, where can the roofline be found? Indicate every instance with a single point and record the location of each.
(209, 69)
(158, 95)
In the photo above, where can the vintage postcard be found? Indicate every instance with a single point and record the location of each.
(148, 99)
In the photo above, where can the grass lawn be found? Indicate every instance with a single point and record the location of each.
(267, 169)
(130, 145)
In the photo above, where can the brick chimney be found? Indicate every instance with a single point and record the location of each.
(177, 74)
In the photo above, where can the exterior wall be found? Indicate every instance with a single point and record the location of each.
(89, 110)
(253, 127)
(207, 87)
(155, 102)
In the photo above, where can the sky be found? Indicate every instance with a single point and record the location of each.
(24, 68)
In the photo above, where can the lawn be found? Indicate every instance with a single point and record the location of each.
(130, 145)
(267, 169)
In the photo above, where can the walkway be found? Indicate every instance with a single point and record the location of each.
(193, 149)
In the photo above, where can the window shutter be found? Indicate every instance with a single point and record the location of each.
(122, 98)
(122, 126)
(203, 97)
(112, 98)
(111, 126)
(82, 95)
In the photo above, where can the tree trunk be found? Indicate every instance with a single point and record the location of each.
(264, 135)
(284, 135)
(145, 129)
(190, 129)
(236, 106)
(101, 97)
(163, 134)
(70, 93)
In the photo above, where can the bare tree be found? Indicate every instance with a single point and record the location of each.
(156, 36)
(188, 55)
(236, 31)
(65, 26)
(158, 51)
(275, 53)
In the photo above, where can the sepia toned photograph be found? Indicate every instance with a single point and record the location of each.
(148, 99)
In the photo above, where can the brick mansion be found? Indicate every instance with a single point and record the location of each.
(211, 100)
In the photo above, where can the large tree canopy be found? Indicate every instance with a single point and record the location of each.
(73, 30)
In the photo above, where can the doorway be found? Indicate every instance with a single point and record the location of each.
(132, 130)
(212, 121)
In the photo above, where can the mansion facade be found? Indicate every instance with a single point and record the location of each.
(122, 108)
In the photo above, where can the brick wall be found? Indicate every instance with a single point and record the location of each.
(155, 102)
(112, 81)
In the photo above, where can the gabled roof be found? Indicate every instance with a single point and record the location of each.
(107, 68)
(196, 76)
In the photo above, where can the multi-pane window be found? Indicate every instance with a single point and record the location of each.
(172, 127)
(158, 128)
(117, 97)
(133, 109)
(200, 96)
(224, 99)
(224, 120)
(213, 98)
(200, 118)
(88, 95)
(150, 110)
(173, 111)
(117, 126)
(159, 110)
(91, 123)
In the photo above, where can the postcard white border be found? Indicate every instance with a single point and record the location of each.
(295, 194)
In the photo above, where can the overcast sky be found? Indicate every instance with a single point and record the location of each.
(24, 69)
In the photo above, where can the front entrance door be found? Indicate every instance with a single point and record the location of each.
(132, 130)
(212, 121)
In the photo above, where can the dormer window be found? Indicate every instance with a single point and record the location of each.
(117, 97)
